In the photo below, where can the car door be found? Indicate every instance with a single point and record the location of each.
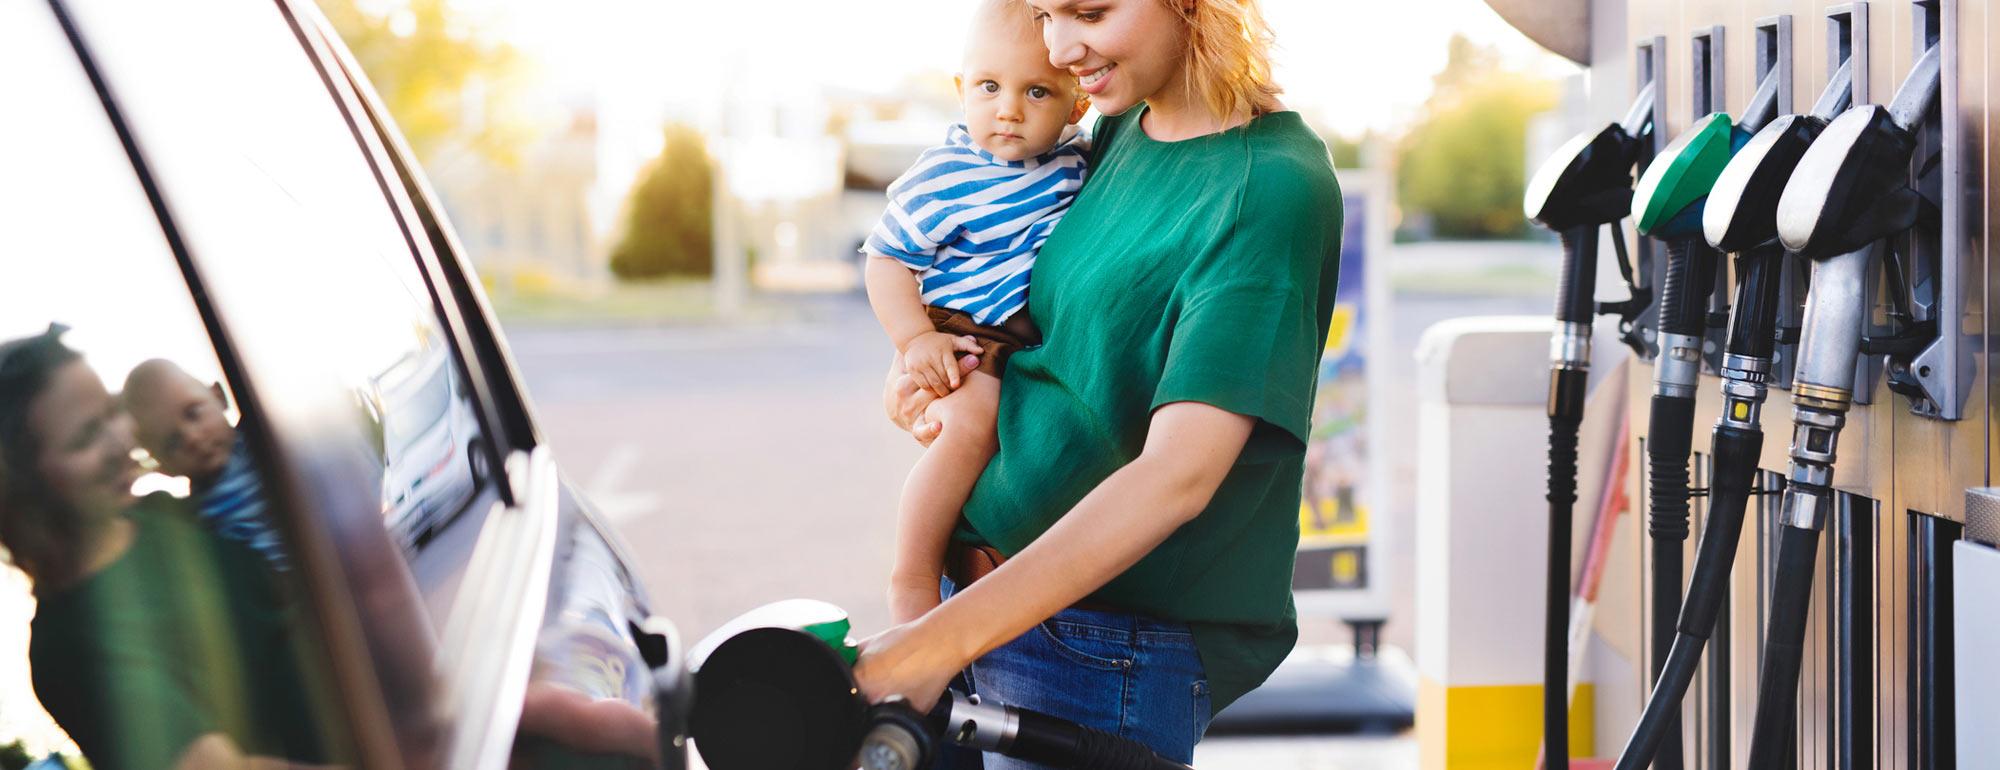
(160, 604)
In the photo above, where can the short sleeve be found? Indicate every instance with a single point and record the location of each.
(899, 236)
(921, 214)
(1247, 347)
(1249, 319)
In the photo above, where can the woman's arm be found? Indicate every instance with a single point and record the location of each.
(1190, 447)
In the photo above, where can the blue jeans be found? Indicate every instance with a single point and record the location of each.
(1122, 673)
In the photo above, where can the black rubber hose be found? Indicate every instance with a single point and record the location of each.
(1736, 452)
(1667, 449)
(1684, 293)
(1784, 648)
(1566, 393)
(1061, 743)
(1575, 304)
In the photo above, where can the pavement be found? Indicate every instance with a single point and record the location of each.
(750, 462)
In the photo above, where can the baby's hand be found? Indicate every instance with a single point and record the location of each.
(931, 359)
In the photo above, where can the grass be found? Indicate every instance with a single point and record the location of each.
(544, 302)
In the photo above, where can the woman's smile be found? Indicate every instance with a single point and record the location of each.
(1093, 81)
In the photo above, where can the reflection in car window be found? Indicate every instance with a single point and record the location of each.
(297, 240)
(149, 615)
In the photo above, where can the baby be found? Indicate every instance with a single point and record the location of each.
(948, 268)
(182, 424)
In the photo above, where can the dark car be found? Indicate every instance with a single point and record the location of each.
(206, 515)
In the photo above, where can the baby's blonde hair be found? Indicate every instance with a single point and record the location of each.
(1228, 66)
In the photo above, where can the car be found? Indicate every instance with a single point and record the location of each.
(431, 451)
(215, 184)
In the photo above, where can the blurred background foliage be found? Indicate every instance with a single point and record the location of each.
(670, 214)
(1461, 166)
(445, 82)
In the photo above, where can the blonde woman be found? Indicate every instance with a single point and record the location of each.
(1126, 559)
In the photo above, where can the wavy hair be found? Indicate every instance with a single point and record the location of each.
(1228, 67)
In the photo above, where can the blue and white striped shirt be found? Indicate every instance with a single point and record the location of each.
(233, 507)
(970, 223)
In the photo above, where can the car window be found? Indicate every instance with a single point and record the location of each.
(151, 613)
(305, 258)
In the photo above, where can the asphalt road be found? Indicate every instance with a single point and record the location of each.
(749, 462)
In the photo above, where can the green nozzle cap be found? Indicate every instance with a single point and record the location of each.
(1683, 173)
(835, 634)
(822, 620)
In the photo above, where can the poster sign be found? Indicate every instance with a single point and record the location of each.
(1339, 571)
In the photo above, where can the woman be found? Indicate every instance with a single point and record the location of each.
(155, 644)
(1142, 510)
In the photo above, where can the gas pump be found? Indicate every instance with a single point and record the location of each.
(1585, 185)
(1849, 192)
(1740, 217)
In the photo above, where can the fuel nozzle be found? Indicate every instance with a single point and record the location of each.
(1852, 186)
(775, 690)
(1851, 189)
(1585, 185)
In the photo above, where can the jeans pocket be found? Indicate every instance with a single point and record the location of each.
(1202, 713)
(1088, 646)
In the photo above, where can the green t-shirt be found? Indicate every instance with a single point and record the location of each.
(185, 634)
(1200, 270)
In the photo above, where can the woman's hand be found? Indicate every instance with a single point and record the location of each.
(906, 402)
(913, 660)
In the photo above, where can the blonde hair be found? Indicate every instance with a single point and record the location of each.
(1228, 67)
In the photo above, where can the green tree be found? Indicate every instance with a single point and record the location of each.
(439, 78)
(1461, 166)
(669, 215)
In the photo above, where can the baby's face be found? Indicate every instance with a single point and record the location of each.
(1016, 104)
(182, 425)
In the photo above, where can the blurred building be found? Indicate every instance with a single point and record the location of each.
(530, 214)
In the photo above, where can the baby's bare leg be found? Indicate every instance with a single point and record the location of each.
(937, 490)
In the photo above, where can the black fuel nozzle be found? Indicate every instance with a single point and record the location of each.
(1585, 185)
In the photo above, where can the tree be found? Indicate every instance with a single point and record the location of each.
(1461, 166)
(440, 80)
(669, 215)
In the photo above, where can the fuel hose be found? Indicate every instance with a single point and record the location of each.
(1683, 307)
(1586, 184)
(1735, 445)
(1569, 377)
(1843, 200)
